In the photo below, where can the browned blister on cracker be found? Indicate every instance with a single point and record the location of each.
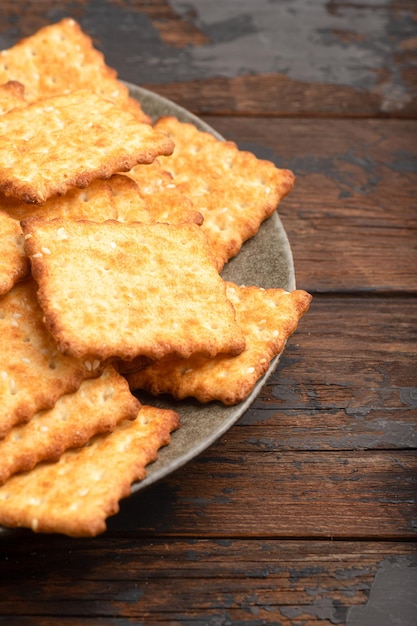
(96, 407)
(60, 58)
(127, 199)
(75, 495)
(12, 96)
(14, 264)
(268, 317)
(146, 194)
(69, 141)
(233, 189)
(128, 290)
(33, 374)
(161, 196)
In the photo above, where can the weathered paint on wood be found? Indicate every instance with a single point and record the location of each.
(326, 57)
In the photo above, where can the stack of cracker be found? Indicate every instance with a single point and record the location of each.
(114, 230)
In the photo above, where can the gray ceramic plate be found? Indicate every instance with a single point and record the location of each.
(266, 261)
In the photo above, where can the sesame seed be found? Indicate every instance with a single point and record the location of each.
(61, 233)
(38, 255)
(45, 250)
(28, 236)
(250, 370)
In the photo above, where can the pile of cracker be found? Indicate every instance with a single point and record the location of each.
(114, 231)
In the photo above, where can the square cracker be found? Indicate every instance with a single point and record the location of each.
(124, 290)
(96, 407)
(33, 374)
(60, 58)
(233, 189)
(268, 317)
(95, 203)
(69, 141)
(75, 495)
(14, 264)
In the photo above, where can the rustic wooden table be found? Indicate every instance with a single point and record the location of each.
(304, 513)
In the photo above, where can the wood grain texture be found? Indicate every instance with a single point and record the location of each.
(345, 381)
(277, 95)
(322, 58)
(281, 494)
(351, 217)
(192, 581)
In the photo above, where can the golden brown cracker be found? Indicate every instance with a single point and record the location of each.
(96, 407)
(11, 96)
(124, 290)
(75, 495)
(69, 141)
(14, 265)
(233, 189)
(33, 374)
(60, 58)
(94, 203)
(268, 317)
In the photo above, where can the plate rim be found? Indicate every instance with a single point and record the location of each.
(155, 472)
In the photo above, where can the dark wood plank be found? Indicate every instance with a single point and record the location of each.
(270, 493)
(346, 381)
(351, 217)
(193, 582)
(271, 59)
(276, 95)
